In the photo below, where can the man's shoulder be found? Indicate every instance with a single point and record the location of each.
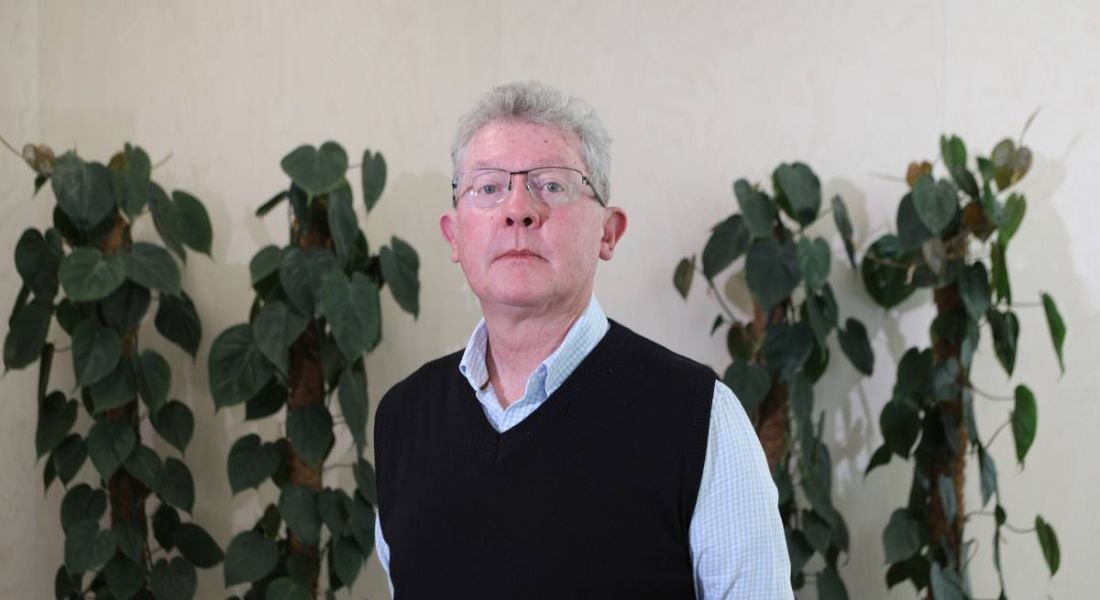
(432, 374)
(654, 355)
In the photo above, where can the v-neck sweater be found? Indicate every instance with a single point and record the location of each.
(591, 495)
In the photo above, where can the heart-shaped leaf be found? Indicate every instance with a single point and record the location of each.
(87, 275)
(374, 177)
(316, 170)
(400, 266)
(83, 190)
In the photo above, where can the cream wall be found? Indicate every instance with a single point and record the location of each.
(695, 94)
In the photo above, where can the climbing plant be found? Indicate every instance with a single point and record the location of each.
(316, 313)
(108, 283)
(953, 234)
(781, 349)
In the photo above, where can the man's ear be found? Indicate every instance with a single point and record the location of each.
(614, 226)
(448, 226)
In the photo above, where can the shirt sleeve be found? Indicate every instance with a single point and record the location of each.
(382, 549)
(738, 548)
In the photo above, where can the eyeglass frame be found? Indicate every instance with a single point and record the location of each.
(526, 181)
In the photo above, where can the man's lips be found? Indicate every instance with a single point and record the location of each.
(519, 253)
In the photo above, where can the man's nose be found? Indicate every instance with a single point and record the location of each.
(520, 205)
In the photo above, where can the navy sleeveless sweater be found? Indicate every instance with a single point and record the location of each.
(591, 496)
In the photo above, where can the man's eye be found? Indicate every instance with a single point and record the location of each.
(487, 189)
(553, 187)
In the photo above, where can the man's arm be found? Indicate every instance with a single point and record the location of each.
(738, 548)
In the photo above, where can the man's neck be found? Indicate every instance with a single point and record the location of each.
(519, 341)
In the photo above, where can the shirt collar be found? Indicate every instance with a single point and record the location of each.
(583, 335)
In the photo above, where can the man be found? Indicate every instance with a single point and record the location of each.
(562, 455)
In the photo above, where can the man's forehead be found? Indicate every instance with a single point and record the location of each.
(522, 141)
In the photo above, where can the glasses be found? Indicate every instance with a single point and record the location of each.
(486, 188)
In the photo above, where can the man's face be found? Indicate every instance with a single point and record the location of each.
(523, 253)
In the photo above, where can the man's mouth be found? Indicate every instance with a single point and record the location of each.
(519, 253)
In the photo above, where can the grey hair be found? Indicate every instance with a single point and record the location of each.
(540, 104)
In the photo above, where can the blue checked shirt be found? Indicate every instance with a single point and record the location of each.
(738, 549)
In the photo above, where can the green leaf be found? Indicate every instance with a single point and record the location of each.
(901, 538)
(1049, 543)
(757, 209)
(69, 456)
(86, 547)
(817, 531)
(1057, 327)
(749, 382)
(681, 278)
(178, 321)
(176, 485)
(1001, 285)
(883, 276)
(151, 266)
(946, 488)
(237, 368)
(316, 171)
(309, 429)
(400, 266)
(265, 263)
(936, 202)
(798, 187)
(145, 465)
(900, 425)
(249, 557)
(373, 169)
(727, 242)
(66, 586)
(361, 524)
(125, 307)
(1025, 416)
(988, 475)
(124, 577)
(1006, 329)
(366, 482)
(25, 340)
(267, 402)
(87, 275)
(880, 457)
(175, 423)
(285, 588)
(301, 275)
(786, 348)
(37, 262)
(165, 522)
(353, 405)
(96, 351)
(1014, 210)
(912, 232)
(167, 220)
(195, 230)
(250, 463)
(342, 222)
(813, 262)
(298, 505)
(197, 546)
(155, 382)
(830, 586)
(56, 417)
(945, 584)
(974, 288)
(353, 312)
(274, 330)
(844, 226)
(346, 558)
(130, 538)
(82, 503)
(173, 580)
(110, 444)
(332, 504)
(1003, 157)
(130, 172)
(771, 270)
(83, 190)
(953, 151)
(853, 341)
(116, 389)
